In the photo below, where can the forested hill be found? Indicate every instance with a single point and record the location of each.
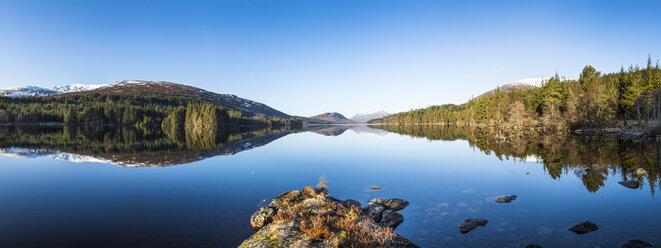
(181, 111)
(230, 101)
(594, 100)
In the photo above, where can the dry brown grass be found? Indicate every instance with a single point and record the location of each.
(346, 227)
(317, 227)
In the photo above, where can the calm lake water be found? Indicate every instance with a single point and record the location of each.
(77, 187)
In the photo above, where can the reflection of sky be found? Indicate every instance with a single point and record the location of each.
(210, 201)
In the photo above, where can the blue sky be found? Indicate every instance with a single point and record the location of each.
(309, 57)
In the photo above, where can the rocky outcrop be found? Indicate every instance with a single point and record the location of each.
(470, 224)
(390, 218)
(584, 227)
(394, 204)
(261, 217)
(312, 218)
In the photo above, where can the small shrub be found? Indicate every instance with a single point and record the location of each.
(323, 183)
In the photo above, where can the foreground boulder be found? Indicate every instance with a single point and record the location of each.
(312, 218)
(584, 227)
(390, 218)
(261, 217)
(470, 224)
(506, 199)
(636, 243)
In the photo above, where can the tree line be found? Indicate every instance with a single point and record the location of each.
(144, 109)
(594, 100)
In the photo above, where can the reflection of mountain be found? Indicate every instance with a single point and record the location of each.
(336, 130)
(368, 130)
(126, 146)
(330, 130)
(592, 159)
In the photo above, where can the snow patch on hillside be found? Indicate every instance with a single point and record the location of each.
(40, 91)
(536, 82)
(77, 87)
(364, 117)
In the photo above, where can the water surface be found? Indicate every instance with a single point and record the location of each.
(110, 187)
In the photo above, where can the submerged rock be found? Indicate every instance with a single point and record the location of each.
(640, 172)
(312, 218)
(506, 199)
(393, 203)
(636, 243)
(630, 184)
(533, 246)
(584, 227)
(470, 224)
(261, 217)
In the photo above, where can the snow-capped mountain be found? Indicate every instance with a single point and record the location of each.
(78, 87)
(27, 91)
(536, 82)
(40, 91)
(364, 117)
(526, 83)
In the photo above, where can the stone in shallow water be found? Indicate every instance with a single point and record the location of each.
(393, 203)
(261, 217)
(390, 218)
(470, 224)
(636, 243)
(630, 184)
(584, 227)
(533, 246)
(506, 199)
(640, 172)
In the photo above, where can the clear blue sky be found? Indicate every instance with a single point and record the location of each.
(308, 57)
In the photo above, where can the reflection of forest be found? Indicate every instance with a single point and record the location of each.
(589, 158)
(136, 146)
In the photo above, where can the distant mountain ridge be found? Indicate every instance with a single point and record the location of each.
(364, 117)
(41, 91)
(332, 117)
(137, 86)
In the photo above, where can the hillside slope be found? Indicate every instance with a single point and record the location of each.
(332, 117)
(228, 100)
